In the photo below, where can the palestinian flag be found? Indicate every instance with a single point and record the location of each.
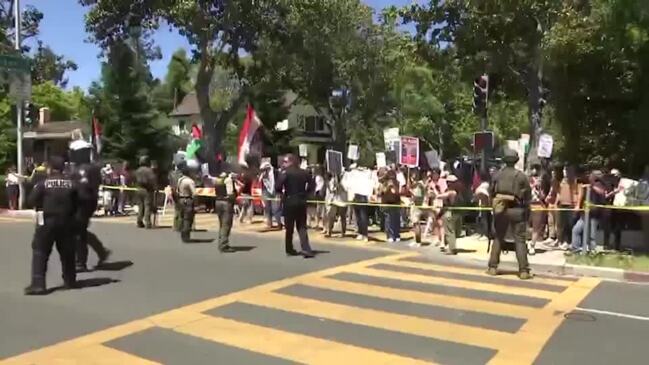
(249, 142)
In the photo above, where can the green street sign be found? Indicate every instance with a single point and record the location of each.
(13, 62)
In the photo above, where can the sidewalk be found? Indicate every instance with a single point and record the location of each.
(473, 250)
(27, 213)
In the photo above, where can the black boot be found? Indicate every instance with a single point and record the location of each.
(35, 290)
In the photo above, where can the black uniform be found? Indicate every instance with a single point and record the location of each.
(174, 176)
(55, 200)
(510, 182)
(146, 180)
(87, 178)
(297, 186)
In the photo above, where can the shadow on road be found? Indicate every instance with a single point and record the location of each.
(199, 240)
(114, 266)
(86, 283)
(243, 248)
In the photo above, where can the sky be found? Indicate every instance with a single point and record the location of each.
(63, 29)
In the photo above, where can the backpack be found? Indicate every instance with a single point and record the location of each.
(501, 202)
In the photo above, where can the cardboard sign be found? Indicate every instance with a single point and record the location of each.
(546, 143)
(433, 158)
(390, 136)
(381, 160)
(409, 151)
(304, 150)
(304, 164)
(353, 153)
(334, 162)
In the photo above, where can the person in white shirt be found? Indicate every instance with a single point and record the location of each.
(12, 185)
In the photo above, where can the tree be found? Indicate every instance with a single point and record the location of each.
(123, 104)
(218, 30)
(48, 66)
(501, 38)
(53, 97)
(30, 21)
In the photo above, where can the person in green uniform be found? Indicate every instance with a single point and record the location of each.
(186, 191)
(174, 176)
(145, 180)
(511, 195)
(450, 218)
(226, 195)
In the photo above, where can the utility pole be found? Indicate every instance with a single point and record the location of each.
(480, 106)
(19, 112)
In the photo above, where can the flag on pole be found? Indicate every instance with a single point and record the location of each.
(247, 141)
(96, 134)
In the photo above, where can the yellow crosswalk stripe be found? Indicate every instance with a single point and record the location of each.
(474, 271)
(97, 355)
(287, 345)
(466, 284)
(441, 300)
(389, 321)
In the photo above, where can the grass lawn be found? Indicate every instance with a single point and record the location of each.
(616, 260)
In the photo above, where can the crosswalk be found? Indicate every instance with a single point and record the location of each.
(395, 309)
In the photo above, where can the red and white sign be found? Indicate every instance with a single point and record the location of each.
(409, 151)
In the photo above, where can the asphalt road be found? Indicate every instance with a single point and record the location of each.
(161, 301)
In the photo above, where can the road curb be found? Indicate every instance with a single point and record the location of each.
(16, 213)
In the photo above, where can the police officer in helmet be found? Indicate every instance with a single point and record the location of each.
(511, 195)
(55, 200)
(87, 178)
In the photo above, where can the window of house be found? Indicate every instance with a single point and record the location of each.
(312, 123)
(182, 125)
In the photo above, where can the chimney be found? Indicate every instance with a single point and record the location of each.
(44, 116)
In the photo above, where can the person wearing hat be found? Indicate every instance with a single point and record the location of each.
(511, 195)
(173, 177)
(225, 197)
(186, 189)
(145, 180)
(55, 200)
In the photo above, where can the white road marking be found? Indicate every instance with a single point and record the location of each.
(614, 314)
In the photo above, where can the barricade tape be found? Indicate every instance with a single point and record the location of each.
(209, 192)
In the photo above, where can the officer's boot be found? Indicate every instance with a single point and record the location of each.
(37, 287)
(185, 236)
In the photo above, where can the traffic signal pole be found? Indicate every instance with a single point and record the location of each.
(19, 113)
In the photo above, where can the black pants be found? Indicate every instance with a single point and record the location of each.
(295, 216)
(224, 209)
(186, 217)
(517, 219)
(360, 211)
(53, 232)
(83, 240)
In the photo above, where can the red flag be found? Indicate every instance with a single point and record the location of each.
(247, 135)
(96, 134)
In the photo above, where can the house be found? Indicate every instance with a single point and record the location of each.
(309, 125)
(185, 114)
(49, 138)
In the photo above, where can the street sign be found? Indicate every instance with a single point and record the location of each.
(20, 86)
(15, 63)
(483, 140)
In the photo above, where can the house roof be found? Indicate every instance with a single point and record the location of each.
(57, 130)
(188, 106)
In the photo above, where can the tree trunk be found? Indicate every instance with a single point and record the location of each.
(535, 107)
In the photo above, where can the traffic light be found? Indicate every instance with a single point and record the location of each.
(480, 94)
(30, 113)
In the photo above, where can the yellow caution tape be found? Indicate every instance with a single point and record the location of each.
(209, 192)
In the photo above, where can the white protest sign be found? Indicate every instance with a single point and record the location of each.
(433, 158)
(546, 143)
(353, 153)
(380, 160)
(390, 137)
(304, 150)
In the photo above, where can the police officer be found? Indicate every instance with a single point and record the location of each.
(511, 195)
(296, 184)
(186, 190)
(174, 176)
(145, 180)
(225, 192)
(55, 200)
(87, 178)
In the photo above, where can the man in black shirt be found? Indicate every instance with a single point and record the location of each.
(296, 185)
(55, 200)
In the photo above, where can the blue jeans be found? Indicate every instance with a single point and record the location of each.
(272, 210)
(393, 222)
(578, 235)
